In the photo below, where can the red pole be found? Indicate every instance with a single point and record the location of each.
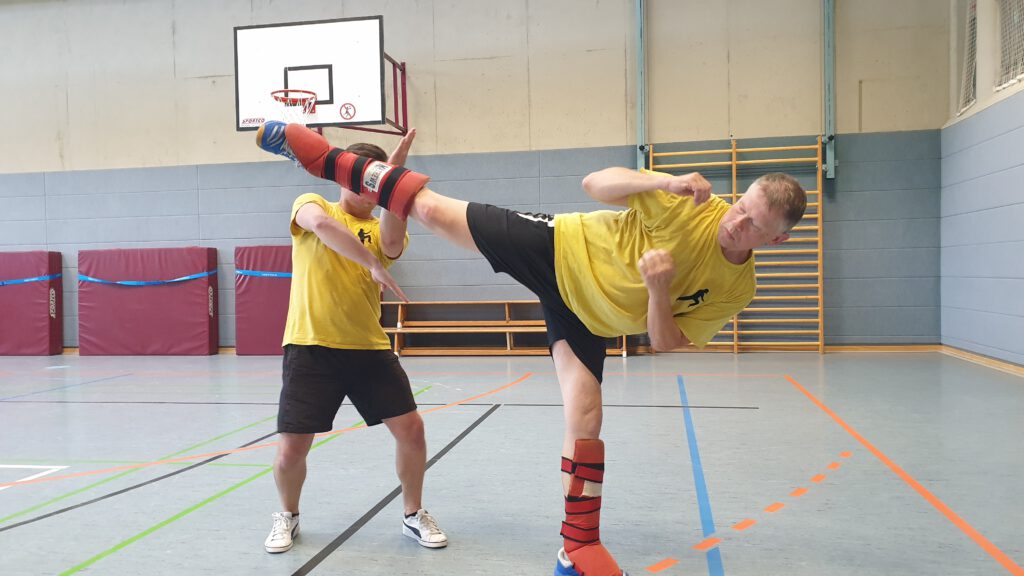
(405, 103)
(394, 82)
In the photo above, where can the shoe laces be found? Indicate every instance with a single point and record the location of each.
(428, 524)
(282, 526)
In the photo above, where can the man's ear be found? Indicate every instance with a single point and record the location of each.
(779, 239)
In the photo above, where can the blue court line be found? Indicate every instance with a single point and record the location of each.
(707, 521)
(65, 387)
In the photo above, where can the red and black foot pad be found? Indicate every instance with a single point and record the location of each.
(581, 529)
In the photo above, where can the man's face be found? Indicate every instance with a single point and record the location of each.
(356, 204)
(749, 223)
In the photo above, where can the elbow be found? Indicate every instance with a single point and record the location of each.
(658, 345)
(392, 250)
(319, 224)
(590, 183)
(668, 344)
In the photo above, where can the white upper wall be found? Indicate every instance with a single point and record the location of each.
(110, 84)
(987, 63)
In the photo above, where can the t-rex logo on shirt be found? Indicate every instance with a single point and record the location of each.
(364, 237)
(697, 297)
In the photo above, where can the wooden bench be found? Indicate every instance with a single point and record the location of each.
(478, 317)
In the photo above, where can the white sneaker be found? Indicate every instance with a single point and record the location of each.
(423, 528)
(286, 528)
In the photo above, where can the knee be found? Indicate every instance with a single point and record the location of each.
(410, 430)
(290, 456)
(585, 419)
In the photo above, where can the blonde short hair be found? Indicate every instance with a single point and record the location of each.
(785, 196)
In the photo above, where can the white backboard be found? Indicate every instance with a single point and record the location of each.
(341, 60)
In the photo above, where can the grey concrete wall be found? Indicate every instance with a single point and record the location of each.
(882, 240)
(881, 222)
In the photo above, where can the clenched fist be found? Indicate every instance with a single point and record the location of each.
(657, 270)
(692, 184)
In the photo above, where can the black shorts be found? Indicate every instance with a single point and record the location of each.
(316, 379)
(522, 245)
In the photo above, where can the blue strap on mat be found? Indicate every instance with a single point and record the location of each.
(33, 279)
(263, 274)
(85, 278)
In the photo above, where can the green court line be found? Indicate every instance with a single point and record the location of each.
(127, 472)
(123, 544)
(156, 527)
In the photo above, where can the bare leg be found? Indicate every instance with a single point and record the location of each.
(444, 216)
(290, 468)
(410, 457)
(581, 396)
(582, 468)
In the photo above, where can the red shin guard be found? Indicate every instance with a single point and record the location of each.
(391, 187)
(581, 528)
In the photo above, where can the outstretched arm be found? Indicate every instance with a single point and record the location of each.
(615, 185)
(392, 228)
(657, 270)
(312, 217)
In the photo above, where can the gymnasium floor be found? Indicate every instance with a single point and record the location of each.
(757, 464)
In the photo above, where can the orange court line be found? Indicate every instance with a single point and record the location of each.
(775, 507)
(979, 539)
(707, 544)
(687, 374)
(818, 479)
(798, 492)
(243, 449)
(834, 466)
(845, 454)
(666, 563)
(741, 526)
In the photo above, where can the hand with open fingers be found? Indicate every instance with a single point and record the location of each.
(383, 277)
(692, 184)
(657, 270)
(401, 152)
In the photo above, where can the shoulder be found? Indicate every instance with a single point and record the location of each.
(310, 198)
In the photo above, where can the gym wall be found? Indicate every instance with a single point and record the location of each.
(125, 128)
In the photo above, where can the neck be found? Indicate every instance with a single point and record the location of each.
(737, 256)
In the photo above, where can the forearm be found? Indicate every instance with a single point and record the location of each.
(344, 242)
(392, 235)
(661, 326)
(614, 185)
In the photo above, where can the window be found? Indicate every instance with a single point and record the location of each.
(969, 64)
(1011, 42)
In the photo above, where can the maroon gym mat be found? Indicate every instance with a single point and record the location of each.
(150, 301)
(262, 281)
(31, 314)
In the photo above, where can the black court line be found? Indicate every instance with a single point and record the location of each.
(138, 402)
(517, 404)
(65, 387)
(358, 524)
(130, 488)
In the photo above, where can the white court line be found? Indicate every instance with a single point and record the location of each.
(45, 470)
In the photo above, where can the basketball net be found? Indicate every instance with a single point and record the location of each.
(294, 106)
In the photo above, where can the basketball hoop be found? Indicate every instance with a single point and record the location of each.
(296, 106)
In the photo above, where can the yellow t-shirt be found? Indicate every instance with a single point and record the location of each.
(334, 301)
(596, 255)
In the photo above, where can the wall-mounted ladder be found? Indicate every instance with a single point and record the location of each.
(787, 312)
